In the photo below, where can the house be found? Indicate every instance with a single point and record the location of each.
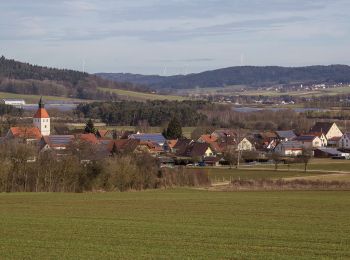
(181, 146)
(265, 140)
(344, 141)
(322, 136)
(245, 145)
(212, 161)
(289, 148)
(121, 146)
(150, 147)
(285, 135)
(309, 141)
(27, 134)
(195, 149)
(56, 142)
(154, 138)
(223, 133)
(106, 134)
(334, 141)
(329, 129)
(240, 145)
(88, 138)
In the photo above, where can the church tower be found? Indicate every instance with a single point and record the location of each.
(41, 119)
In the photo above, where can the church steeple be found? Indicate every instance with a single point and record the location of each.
(41, 103)
(41, 119)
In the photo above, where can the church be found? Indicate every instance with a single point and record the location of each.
(41, 119)
(41, 126)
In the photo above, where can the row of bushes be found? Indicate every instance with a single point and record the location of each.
(24, 170)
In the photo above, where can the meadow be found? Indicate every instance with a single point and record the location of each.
(140, 96)
(176, 224)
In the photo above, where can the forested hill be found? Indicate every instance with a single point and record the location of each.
(244, 75)
(24, 78)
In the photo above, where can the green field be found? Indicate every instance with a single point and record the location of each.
(142, 96)
(176, 224)
(35, 98)
(314, 165)
(226, 174)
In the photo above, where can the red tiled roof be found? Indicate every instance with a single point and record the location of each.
(123, 145)
(25, 132)
(208, 138)
(216, 147)
(91, 138)
(153, 147)
(41, 113)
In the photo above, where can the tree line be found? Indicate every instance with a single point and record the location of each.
(24, 169)
(156, 113)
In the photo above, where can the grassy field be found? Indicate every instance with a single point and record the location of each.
(142, 96)
(35, 98)
(175, 224)
(226, 174)
(314, 165)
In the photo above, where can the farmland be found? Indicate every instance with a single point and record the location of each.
(140, 96)
(175, 224)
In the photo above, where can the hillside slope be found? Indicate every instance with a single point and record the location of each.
(245, 75)
(24, 78)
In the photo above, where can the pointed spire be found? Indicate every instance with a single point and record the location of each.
(41, 103)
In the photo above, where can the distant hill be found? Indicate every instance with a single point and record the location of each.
(244, 75)
(24, 78)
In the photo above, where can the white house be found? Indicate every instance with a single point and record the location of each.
(344, 141)
(309, 141)
(245, 145)
(329, 129)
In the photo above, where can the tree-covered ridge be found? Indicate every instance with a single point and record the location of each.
(24, 78)
(242, 75)
(156, 113)
(20, 70)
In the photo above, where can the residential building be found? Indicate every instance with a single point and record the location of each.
(322, 136)
(329, 129)
(207, 138)
(344, 142)
(287, 135)
(289, 148)
(309, 141)
(56, 142)
(27, 134)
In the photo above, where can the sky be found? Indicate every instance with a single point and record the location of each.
(167, 37)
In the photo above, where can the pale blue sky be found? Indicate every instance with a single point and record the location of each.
(174, 36)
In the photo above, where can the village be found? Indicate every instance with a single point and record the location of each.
(222, 147)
